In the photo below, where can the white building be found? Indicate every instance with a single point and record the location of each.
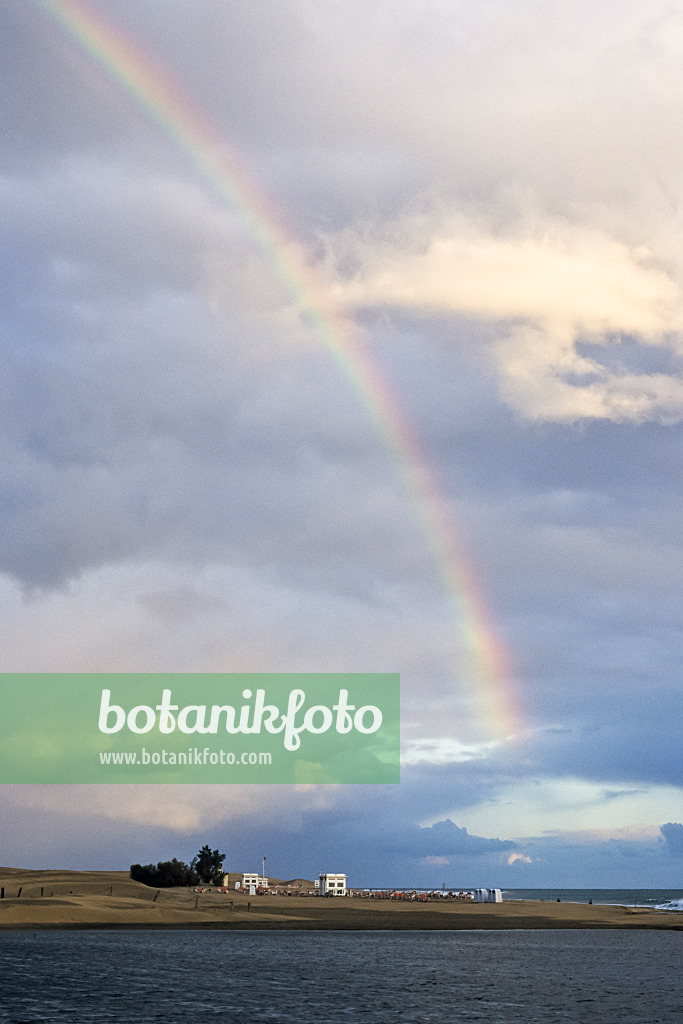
(254, 881)
(332, 885)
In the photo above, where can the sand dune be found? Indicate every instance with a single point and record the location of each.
(110, 899)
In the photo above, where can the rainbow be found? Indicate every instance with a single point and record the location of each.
(136, 73)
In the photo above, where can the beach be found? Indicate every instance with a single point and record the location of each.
(111, 899)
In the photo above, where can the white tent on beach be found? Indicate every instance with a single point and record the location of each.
(487, 895)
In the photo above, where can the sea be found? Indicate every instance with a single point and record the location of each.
(324, 977)
(666, 899)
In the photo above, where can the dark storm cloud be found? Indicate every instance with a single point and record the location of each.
(138, 421)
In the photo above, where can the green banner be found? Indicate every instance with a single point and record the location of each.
(199, 728)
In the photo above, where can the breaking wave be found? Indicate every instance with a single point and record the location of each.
(671, 905)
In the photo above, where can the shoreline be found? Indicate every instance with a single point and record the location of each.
(38, 900)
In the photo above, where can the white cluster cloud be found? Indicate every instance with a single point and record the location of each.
(519, 856)
(547, 289)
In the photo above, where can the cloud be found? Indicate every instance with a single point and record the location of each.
(569, 274)
(445, 837)
(519, 857)
(672, 833)
(591, 836)
(443, 750)
(178, 809)
(548, 290)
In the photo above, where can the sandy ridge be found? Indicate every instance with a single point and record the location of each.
(111, 899)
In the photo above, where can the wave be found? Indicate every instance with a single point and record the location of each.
(671, 905)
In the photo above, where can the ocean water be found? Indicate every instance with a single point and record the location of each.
(670, 899)
(183, 977)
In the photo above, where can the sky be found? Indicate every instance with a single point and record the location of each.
(346, 337)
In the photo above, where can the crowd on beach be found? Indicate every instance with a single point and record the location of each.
(411, 894)
(367, 894)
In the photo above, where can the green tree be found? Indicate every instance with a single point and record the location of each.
(209, 865)
(165, 874)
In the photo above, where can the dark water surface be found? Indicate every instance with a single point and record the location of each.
(534, 977)
(670, 898)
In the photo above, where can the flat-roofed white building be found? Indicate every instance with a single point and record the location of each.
(332, 885)
(255, 880)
